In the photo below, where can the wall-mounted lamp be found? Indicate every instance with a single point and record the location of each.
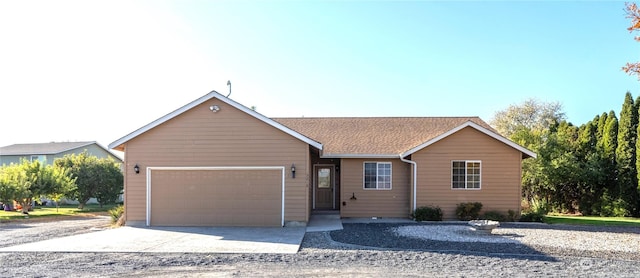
(136, 169)
(214, 108)
(353, 196)
(293, 171)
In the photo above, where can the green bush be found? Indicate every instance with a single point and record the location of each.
(532, 217)
(468, 211)
(539, 206)
(494, 215)
(428, 213)
(614, 208)
(512, 215)
(116, 213)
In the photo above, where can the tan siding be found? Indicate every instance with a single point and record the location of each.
(500, 172)
(230, 137)
(374, 203)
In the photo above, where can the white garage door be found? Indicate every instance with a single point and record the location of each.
(215, 196)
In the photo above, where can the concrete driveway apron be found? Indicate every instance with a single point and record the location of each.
(285, 240)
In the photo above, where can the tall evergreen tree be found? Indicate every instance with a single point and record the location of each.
(626, 155)
(610, 137)
(602, 122)
(609, 203)
(591, 176)
(635, 211)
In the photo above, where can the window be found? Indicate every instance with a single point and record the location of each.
(377, 175)
(324, 178)
(34, 158)
(465, 174)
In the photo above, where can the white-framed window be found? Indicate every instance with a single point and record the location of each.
(466, 174)
(377, 175)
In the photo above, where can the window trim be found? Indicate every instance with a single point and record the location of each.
(465, 175)
(377, 163)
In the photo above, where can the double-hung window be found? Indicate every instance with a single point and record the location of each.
(465, 174)
(377, 175)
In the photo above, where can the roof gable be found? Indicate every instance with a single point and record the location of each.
(471, 124)
(213, 94)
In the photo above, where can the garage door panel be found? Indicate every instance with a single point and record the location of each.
(216, 197)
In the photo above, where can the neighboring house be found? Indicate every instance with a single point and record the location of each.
(215, 162)
(46, 153)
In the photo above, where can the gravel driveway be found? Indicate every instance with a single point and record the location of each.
(371, 250)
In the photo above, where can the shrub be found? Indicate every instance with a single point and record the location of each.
(494, 215)
(615, 208)
(428, 213)
(116, 213)
(539, 206)
(512, 215)
(532, 217)
(468, 211)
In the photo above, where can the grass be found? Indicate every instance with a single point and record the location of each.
(592, 220)
(52, 212)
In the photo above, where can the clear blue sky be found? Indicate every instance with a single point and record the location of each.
(97, 70)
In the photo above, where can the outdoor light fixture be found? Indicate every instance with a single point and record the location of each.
(136, 169)
(214, 108)
(293, 171)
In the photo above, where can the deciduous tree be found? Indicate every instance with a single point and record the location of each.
(633, 14)
(531, 114)
(111, 182)
(29, 180)
(94, 177)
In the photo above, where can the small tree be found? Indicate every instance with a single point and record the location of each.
(83, 168)
(111, 182)
(12, 180)
(95, 177)
(29, 180)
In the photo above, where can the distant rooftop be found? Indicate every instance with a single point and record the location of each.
(42, 148)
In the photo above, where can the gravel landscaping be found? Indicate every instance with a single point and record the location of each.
(30, 230)
(371, 250)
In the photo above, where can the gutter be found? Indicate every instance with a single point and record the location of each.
(415, 177)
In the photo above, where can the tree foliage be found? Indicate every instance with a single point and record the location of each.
(633, 13)
(27, 181)
(100, 178)
(111, 182)
(531, 114)
(626, 153)
(591, 169)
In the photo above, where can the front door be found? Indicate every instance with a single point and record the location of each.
(324, 187)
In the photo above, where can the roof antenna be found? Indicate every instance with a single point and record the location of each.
(229, 84)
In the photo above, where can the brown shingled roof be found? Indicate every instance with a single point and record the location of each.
(374, 136)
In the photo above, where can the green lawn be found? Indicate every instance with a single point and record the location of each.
(66, 210)
(592, 220)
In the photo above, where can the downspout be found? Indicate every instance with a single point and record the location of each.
(415, 177)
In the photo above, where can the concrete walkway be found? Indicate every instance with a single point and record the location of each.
(377, 220)
(174, 240)
(324, 223)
